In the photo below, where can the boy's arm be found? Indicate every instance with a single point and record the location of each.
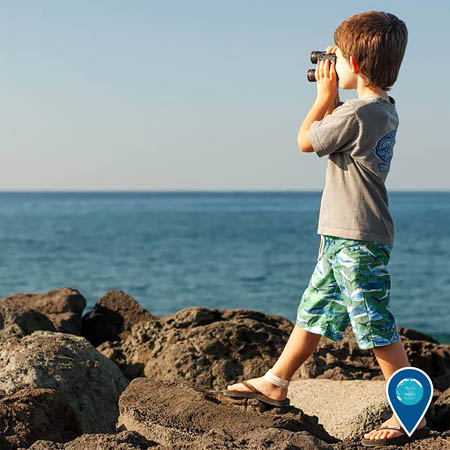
(320, 109)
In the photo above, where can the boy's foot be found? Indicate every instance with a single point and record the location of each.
(263, 385)
(389, 434)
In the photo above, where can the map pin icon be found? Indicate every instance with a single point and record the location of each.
(409, 391)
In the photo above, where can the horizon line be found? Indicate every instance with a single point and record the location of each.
(192, 190)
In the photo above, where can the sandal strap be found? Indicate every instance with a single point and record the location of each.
(269, 375)
(391, 427)
(249, 386)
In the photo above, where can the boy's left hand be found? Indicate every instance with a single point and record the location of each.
(327, 88)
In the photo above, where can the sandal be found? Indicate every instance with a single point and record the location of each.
(258, 394)
(418, 434)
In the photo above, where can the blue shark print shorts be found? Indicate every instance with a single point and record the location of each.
(350, 284)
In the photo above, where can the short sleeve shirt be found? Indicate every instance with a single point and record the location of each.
(359, 138)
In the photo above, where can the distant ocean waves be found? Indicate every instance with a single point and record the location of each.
(171, 250)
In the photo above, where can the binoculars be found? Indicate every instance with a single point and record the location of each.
(316, 56)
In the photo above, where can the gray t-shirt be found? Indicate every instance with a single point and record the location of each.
(359, 137)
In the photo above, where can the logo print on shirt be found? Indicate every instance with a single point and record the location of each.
(384, 150)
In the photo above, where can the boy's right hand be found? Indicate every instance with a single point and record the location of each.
(332, 50)
(327, 89)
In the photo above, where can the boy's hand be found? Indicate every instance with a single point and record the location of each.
(327, 89)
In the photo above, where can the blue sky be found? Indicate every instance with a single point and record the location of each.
(197, 95)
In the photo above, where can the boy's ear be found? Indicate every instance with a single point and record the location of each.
(354, 65)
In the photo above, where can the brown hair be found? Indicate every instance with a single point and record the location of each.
(377, 41)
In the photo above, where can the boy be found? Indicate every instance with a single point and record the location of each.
(350, 283)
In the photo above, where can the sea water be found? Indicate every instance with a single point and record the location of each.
(173, 250)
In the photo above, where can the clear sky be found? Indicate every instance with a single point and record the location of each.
(198, 95)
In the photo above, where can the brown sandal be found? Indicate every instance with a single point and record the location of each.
(418, 434)
(256, 394)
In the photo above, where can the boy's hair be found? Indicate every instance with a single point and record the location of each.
(377, 41)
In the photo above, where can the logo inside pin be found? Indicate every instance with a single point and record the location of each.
(409, 391)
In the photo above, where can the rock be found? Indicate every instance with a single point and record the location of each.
(112, 318)
(414, 335)
(209, 346)
(127, 440)
(187, 358)
(435, 441)
(344, 360)
(216, 347)
(33, 414)
(265, 438)
(442, 382)
(69, 364)
(63, 308)
(441, 418)
(347, 409)
(18, 321)
(215, 351)
(179, 415)
(175, 415)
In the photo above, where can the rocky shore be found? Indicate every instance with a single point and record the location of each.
(119, 377)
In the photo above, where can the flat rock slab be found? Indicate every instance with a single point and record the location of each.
(179, 415)
(347, 409)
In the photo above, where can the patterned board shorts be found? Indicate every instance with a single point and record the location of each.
(350, 284)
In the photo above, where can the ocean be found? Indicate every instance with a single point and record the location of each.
(173, 250)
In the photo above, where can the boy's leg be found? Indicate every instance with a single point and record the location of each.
(360, 269)
(391, 358)
(321, 312)
(299, 347)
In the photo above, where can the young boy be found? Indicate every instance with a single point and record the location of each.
(350, 283)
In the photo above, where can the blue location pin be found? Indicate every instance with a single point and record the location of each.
(409, 391)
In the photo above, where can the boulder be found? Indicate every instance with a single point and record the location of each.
(344, 360)
(62, 307)
(208, 346)
(55, 385)
(18, 321)
(126, 440)
(441, 410)
(32, 414)
(180, 415)
(90, 382)
(112, 318)
(216, 347)
(435, 441)
(347, 409)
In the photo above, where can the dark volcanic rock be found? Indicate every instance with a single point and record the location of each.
(127, 440)
(54, 386)
(112, 318)
(441, 412)
(69, 364)
(33, 414)
(61, 307)
(344, 360)
(175, 413)
(436, 441)
(18, 321)
(213, 347)
(208, 346)
(216, 347)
